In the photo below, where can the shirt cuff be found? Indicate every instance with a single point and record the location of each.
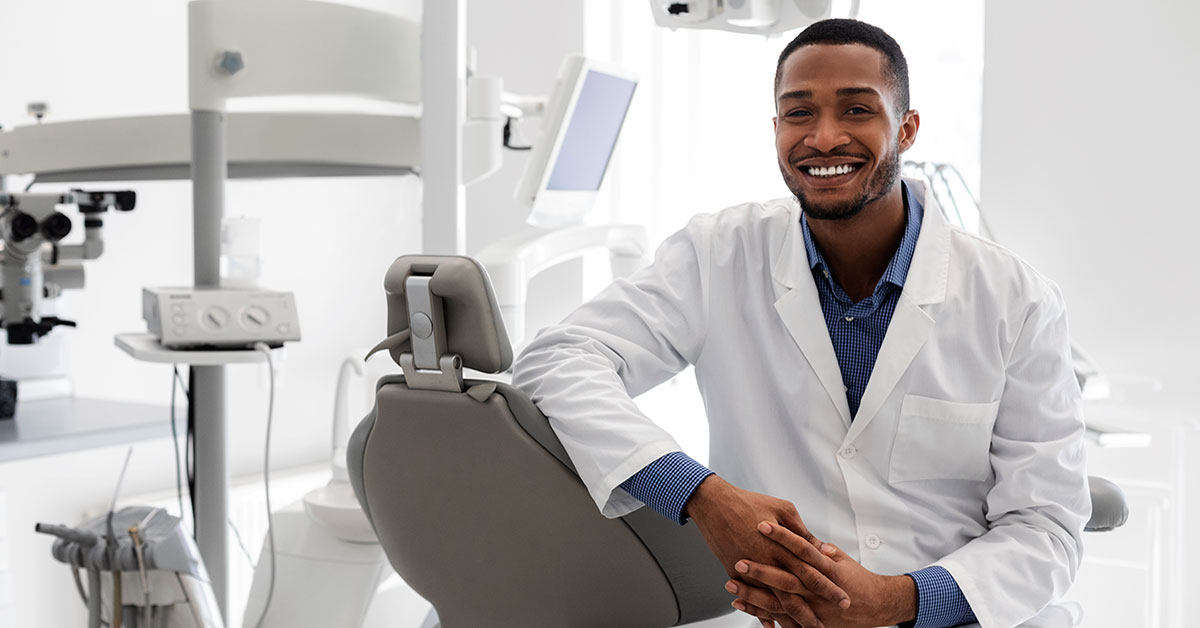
(666, 484)
(940, 603)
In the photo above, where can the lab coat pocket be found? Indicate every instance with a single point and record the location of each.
(942, 440)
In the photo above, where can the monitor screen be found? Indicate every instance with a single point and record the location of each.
(592, 132)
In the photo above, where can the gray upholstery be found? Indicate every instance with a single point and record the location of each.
(691, 569)
(496, 530)
(1109, 510)
(479, 508)
(474, 329)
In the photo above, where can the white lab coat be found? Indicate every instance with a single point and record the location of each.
(966, 452)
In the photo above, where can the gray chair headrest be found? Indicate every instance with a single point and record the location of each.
(474, 329)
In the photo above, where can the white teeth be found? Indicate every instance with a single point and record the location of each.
(832, 171)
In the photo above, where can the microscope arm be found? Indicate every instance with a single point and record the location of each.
(91, 248)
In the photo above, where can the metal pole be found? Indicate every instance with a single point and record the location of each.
(208, 382)
(443, 111)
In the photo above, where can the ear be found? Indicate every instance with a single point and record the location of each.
(775, 123)
(910, 123)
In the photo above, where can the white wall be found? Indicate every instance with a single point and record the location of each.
(1089, 168)
(1089, 137)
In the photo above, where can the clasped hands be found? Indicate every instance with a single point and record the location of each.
(781, 573)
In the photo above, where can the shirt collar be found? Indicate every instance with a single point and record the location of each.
(897, 269)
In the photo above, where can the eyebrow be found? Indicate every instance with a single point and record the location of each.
(845, 91)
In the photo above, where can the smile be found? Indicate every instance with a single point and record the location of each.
(832, 171)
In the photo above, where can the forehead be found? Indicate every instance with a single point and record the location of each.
(822, 67)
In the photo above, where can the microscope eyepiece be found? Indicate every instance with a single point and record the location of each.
(23, 226)
(56, 226)
(126, 200)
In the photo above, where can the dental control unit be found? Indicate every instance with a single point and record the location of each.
(220, 318)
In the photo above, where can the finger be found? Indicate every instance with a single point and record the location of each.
(750, 609)
(797, 608)
(773, 603)
(812, 567)
(805, 550)
(791, 519)
(772, 577)
(815, 582)
(754, 596)
(787, 622)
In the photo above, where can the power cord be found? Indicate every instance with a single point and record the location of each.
(237, 535)
(176, 383)
(266, 351)
(189, 447)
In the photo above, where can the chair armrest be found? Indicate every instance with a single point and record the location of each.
(1109, 509)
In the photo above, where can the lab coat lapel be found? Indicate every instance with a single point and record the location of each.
(800, 308)
(911, 323)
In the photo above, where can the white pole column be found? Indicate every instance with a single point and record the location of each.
(443, 112)
(208, 382)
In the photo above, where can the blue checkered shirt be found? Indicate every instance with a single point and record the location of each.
(857, 331)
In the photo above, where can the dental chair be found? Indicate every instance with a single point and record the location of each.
(479, 508)
(474, 499)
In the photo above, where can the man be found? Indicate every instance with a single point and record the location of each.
(903, 389)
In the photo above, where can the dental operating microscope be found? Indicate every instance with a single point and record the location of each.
(35, 266)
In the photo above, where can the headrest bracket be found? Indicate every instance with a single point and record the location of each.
(449, 378)
(428, 366)
(426, 321)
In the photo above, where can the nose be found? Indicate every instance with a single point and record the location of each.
(826, 134)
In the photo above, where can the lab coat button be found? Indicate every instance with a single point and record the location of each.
(873, 541)
(848, 452)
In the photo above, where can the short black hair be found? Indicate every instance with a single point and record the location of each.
(840, 31)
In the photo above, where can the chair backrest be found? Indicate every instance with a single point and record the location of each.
(476, 502)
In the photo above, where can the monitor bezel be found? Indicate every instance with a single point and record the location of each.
(555, 208)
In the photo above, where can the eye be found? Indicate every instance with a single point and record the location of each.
(797, 113)
(856, 110)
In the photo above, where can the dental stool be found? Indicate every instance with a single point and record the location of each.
(475, 501)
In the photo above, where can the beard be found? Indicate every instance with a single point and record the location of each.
(880, 183)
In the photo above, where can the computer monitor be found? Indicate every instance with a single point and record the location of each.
(579, 132)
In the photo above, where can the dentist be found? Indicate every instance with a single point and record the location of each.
(895, 425)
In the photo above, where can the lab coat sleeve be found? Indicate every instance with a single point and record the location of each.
(1039, 504)
(584, 372)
